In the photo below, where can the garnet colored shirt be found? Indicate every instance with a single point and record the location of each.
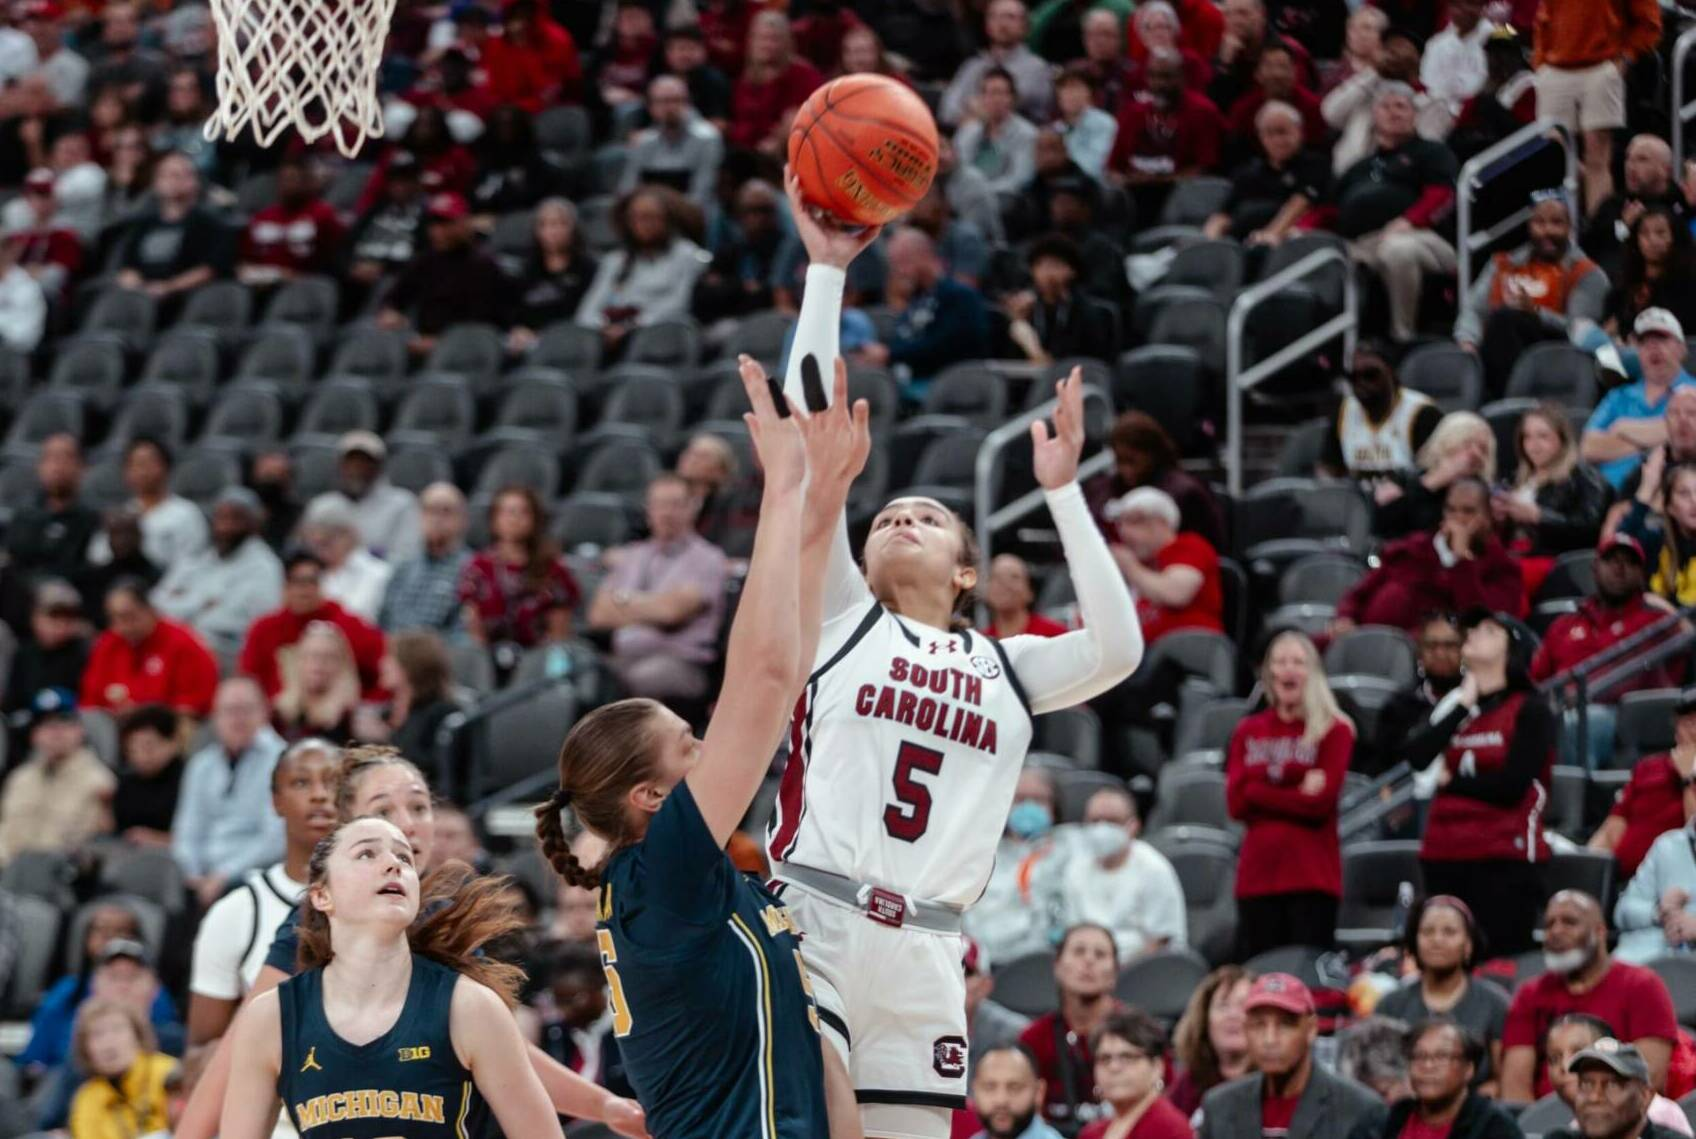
(1290, 844)
(1160, 1121)
(1036, 626)
(1275, 1115)
(1651, 804)
(512, 607)
(276, 631)
(1167, 141)
(1416, 1128)
(1500, 760)
(1576, 637)
(756, 108)
(1632, 999)
(171, 667)
(537, 73)
(1206, 609)
(1042, 1037)
(303, 240)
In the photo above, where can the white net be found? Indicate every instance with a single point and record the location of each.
(306, 64)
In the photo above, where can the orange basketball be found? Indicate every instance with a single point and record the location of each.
(864, 149)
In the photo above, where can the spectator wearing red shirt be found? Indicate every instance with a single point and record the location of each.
(303, 604)
(299, 233)
(1488, 752)
(1166, 133)
(1130, 1052)
(1086, 965)
(1156, 24)
(819, 34)
(1009, 596)
(142, 658)
(1461, 565)
(1284, 773)
(48, 251)
(1621, 608)
(1175, 574)
(1660, 797)
(440, 163)
(533, 64)
(1583, 977)
(725, 25)
(1275, 78)
(518, 591)
(774, 82)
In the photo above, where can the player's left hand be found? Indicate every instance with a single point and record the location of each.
(1056, 458)
(626, 1117)
(774, 429)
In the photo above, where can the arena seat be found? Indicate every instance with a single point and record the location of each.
(1073, 732)
(1448, 373)
(1373, 874)
(1643, 725)
(1217, 265)
(1161, 983)
(246, 414)
(1026, 985)
(39, 922)
(1374, 650)
(1557, 372)
(436, 409)
(308, 303)
(186, 359)
(338, 406)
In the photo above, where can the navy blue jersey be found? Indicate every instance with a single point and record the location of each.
(711, 1003)
(406, 1084)
(285, 946)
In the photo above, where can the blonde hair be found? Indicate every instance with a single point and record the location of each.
(95, 1008)
(1559, 470)
(1319, 708)
(293, 703)
(1452, 431)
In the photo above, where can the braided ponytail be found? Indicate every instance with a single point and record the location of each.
(605, 755)
(556, 847)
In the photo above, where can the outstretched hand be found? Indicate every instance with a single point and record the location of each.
(825, 242)
(1056, 457)
(774, 428)
(626, 1117)
(837, 438)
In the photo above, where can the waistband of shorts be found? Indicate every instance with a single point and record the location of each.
(932, 917)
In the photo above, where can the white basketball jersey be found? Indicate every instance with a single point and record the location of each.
(904, 754)
(1380, 449)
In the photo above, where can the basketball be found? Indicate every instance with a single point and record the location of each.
(864, 149)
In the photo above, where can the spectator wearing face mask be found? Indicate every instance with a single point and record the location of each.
(1007, 1096)
(1085, 968)
(1117, 881)
(1283, 776)
(1287, 1094)
(1013, 916)
(1583, 977)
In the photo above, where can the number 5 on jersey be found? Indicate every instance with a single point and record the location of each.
(909, 816)
(615, 987)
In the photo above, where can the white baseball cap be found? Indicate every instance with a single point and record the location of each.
(1658, 320)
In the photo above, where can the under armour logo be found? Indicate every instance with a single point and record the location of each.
(311, 1064)
(953, 646)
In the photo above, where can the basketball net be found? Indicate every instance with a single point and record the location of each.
(306, 64)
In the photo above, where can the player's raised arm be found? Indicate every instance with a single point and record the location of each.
(763, 667)
(818, 334)
(838, 440)
(1059, 672)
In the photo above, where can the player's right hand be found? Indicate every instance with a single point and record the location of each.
(825, 242)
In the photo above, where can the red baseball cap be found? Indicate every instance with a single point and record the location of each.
(41, 10)
(1622, 542)
(447, 206)
(39, 181)
(1280, 991)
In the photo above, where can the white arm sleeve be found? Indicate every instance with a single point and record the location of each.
(1058, 672)
(818, 333)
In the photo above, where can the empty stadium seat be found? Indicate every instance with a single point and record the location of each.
(1207, 871)
(1503, 416)
(1557, 372)
(1208, 732)
(1322, 578)
(187, 359)
(248, 414)
(1374, 650)
(127, 314)
(1194, 200)
(1373, 873)
(38, 925)
(591, 521)
(414, 468)
(309, 303)
(474, 352)
(92, 366)
(1074, 789)
(761, 335)
(1160, 983)
(674, 344)
(1643, 725)
(436, 409)
(950, 460)
(520, 463)
(647, 398)
(204, 472)
(1215, 265)
(1167, 382)
(1189, 795)
(1573, 575)
(621, 465)
(45, 413)
(521, 741)
(376, 355)
(338, 406)
(1448, 373)
(282, 354)
(159, 411)
(1304, 448)
(1679, 976)
(1565, 814)
(570, 347)
(880, 391)
(564, 132)
(224, 308)
(541, 400)
(1026, 985)
(1074, 732)
(1590, 871)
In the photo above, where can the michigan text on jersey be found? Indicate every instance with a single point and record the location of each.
(370, 1103)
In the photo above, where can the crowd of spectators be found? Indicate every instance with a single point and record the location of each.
(583, 174)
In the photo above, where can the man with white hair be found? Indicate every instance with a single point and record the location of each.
(1174, 575)
(1649, 181)
(352, 576)
(1272, 190)
(424, 591)
(1388, 202)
